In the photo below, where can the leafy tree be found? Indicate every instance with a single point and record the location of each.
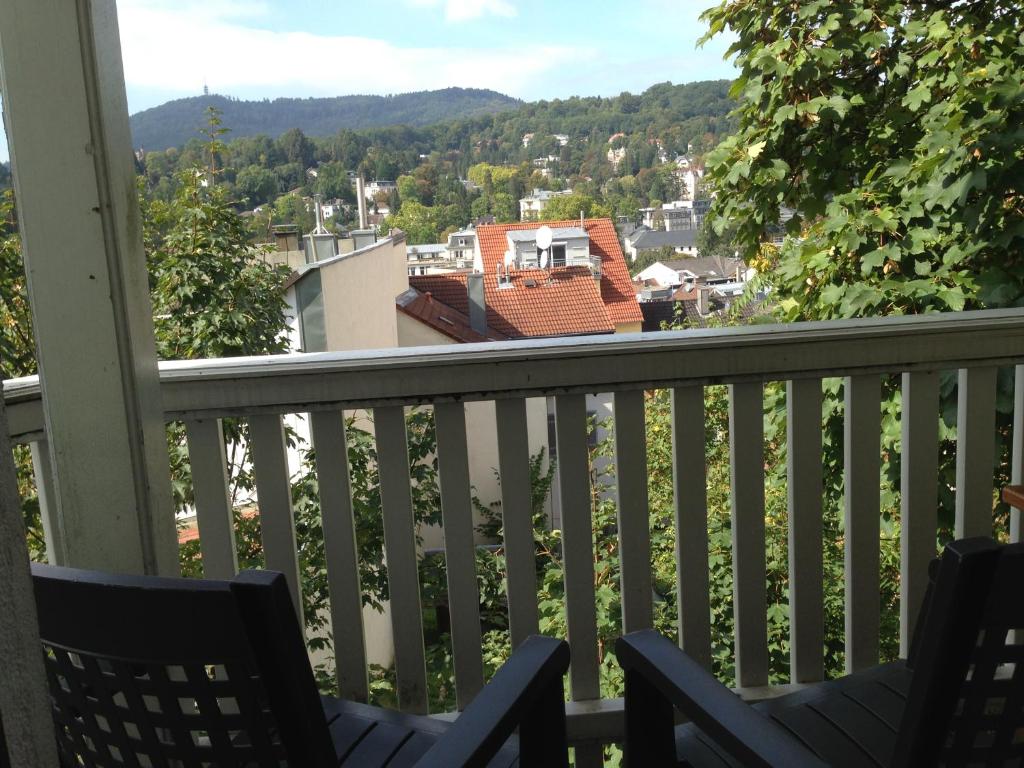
(408, 189)
(505, 208)
(296, 148)
(213, 296)
(893, 129)
(257, 185)
(293, 209)
(292, 176)
(332, 182)
(419, 222)
(570, 207)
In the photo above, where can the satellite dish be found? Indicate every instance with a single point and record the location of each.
(509, 259)
(544, 260)
(544, 236)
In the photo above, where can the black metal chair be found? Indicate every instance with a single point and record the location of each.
(959, 701)
(159, 673)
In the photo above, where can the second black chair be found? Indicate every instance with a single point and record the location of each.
(958, 701)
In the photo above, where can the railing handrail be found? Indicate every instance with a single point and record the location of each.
(606, 363)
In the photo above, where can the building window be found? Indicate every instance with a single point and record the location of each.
(556, 255)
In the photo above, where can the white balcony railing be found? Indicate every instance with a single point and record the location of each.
(263, 389)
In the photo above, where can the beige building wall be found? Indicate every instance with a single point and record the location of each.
(359, 291)
(628, 327)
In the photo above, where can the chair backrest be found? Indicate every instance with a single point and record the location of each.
(154, 672)
(966, 700)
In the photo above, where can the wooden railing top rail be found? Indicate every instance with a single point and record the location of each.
(319, 381)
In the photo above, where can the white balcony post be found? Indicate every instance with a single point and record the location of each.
(67, 121)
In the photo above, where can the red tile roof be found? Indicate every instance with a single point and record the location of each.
(443, 316)
(563, 301)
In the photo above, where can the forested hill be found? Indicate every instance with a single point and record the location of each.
(174, 123)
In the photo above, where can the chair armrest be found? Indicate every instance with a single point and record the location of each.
(527, 692)
(743, 732)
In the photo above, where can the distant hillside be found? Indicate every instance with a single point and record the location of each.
(174, 123)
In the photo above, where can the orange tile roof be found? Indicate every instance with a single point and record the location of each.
(568, 302)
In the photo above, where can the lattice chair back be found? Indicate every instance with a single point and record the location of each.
(966, 700)
(147, 672)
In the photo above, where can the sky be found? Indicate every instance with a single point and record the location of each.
(530, 49)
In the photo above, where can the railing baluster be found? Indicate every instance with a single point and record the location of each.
(273, 492)
(517, 517)
(459, 550)
(689, 482)
(338, 519)
(53, 531)
(400, 553)
(862, 509)
(1017, 469)
(750, 603)
(975, 450)
(208, 460)
(577, 544)
(633, 516)
(919, 494)
(804, 487)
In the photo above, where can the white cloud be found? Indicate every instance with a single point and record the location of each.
(464, 10)
(178, 49)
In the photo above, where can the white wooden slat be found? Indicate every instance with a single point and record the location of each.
(633, 515)
(459, 550)
(208, 460)
(340, 552)
(861, 512)
(1017, 459)
(517, 517)
(53, 530)
(804, 489)
(689, 482)
(975, 450)
(919, 494)
(274, 495)
(400, 554)
(750, 603)
(577, 544)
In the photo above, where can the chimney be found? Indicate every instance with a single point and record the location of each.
(477, 303)
(704, 300)
(361, 199)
